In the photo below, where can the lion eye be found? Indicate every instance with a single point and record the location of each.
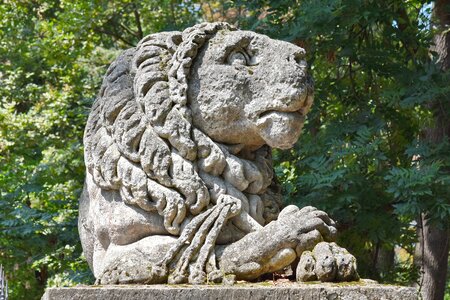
(237, 58)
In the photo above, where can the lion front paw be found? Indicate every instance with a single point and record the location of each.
(327, 262)
(308, 226)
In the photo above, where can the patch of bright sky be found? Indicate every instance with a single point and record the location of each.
(424, 17)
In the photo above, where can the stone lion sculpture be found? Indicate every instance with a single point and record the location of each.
(180, 186)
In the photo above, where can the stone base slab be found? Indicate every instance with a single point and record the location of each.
(247, 291)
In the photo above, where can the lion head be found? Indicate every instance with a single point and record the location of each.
(187, 116)
(248, 89)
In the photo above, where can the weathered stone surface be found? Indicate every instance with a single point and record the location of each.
(180, 186)
(327, 262)
(243, 291)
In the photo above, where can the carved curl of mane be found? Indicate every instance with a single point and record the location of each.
(140, 139)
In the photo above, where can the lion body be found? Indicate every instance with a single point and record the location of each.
(163, 146)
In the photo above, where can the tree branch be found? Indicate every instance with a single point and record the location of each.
(115, 36)
(128, 30)
(137, 17)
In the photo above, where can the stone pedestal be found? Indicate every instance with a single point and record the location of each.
(266, 290)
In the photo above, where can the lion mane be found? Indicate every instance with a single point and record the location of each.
(140, 140)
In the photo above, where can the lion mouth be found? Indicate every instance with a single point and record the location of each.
(280, 127)
(299, 109)
(297, 114)
(286, 117)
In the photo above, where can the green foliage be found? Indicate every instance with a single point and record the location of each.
(360, 158)
(45, 95)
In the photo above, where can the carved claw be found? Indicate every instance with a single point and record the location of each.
(197, 276)
(215, 276)
(327, 262)
(309, 224)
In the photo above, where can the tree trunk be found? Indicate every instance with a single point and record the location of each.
(433, 253)
(434, 239)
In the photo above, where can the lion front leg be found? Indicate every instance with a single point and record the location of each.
(278, 244)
